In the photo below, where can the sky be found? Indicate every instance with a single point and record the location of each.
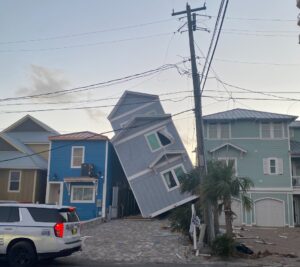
(52, 45)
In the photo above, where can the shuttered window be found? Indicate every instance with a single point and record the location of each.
(266, 130)
(219, 131)
(273, 166)
(272, 130)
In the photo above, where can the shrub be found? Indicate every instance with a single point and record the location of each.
(223, 246)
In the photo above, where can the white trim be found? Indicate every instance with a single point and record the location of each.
(228, 144)
(9, 180)
(271, 198)
(148, 170)
(48, 172)
(34, 186)
(181, 202)
(133, 110)
(165, 154)
(83, 156)
(104, 190)
(157, 137)
(174, 176)
(270, 189)
(157, 126)
(61, 191)
(38, 143)
(82, 201)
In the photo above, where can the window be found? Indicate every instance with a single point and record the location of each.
(219, 131)
(266, 130)
(159, 139)
(273, 166)
(171, 177)
(227, 161)
(77, 157)
(272, 130)
(52, 215)
(14, 184)
(83, 194)
(9, 214)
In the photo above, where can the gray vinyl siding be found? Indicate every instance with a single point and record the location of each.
(157, 196)
(155, 106)
(129, 150)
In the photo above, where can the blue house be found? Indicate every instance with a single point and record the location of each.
(80, 173)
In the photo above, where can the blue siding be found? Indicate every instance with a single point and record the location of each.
(60, 167)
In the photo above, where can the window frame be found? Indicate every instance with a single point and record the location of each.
(157, 137)
(9, 181)
(172, 170)
(230, 158)
(72, 155)
(72, 200)
(272, 135)
(219, 131)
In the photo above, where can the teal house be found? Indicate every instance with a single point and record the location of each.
(266, 148)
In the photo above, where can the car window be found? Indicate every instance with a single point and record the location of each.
(52, 215)
(9, 214)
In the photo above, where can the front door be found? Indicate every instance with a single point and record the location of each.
(55, 191)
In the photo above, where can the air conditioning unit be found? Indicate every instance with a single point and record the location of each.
(88, 170)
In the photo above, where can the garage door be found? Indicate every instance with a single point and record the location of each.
(236, 208)
(269, 212)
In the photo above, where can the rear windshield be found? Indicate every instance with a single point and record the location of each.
(53, 215)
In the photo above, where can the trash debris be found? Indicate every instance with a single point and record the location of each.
(263, 242)
(283, 236)
(178, 256)
(241, 248)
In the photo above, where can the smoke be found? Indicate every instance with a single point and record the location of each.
(45, 80)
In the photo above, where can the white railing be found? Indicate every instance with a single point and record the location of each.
(296, 181)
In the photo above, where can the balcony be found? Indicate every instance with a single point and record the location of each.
(296, 181)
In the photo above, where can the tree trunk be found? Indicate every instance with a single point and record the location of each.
(216, 218)
(228, 216)
(209, 220)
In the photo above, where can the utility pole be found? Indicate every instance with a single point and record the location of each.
(200, 153)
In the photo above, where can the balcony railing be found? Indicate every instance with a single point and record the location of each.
(296, 181)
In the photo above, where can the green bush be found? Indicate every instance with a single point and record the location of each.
(180, 218)
(223, 246)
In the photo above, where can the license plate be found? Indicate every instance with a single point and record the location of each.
(74, 231)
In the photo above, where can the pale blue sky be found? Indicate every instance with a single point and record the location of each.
(245, 39)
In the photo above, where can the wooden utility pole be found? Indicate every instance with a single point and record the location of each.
(200, 154)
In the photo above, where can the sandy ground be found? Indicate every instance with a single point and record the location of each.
(272, 245)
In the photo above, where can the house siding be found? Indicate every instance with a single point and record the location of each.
(38, 148)
(26, 186)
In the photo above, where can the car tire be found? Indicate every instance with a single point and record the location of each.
(22, 254)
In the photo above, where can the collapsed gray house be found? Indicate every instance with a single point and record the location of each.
(151, 152)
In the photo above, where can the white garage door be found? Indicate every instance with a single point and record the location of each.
(236, 208)
(269, 212)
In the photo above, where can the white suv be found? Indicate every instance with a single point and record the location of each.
(29, 232)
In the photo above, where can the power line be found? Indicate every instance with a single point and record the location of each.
(106, 132)
(87, 44)
(73, 35)
(259, 19)
(99, 84)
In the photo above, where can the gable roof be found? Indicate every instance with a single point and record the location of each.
(25, 119)
(127, 94)
(23, 158)
(164, 156)
(140, 121)
(228, 145)
(85, 135)
(247, 114)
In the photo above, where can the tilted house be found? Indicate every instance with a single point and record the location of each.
(259, 145)
(24, 148)
(80, 173)
(151, 152)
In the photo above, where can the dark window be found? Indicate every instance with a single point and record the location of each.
(52, 215)
(9, 214)
(163, 139)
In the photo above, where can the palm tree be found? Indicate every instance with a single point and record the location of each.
(221, 184)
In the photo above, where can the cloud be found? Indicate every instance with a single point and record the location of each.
(96, 114)
(45, 80)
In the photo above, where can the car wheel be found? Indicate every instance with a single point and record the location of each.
(22, 254)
